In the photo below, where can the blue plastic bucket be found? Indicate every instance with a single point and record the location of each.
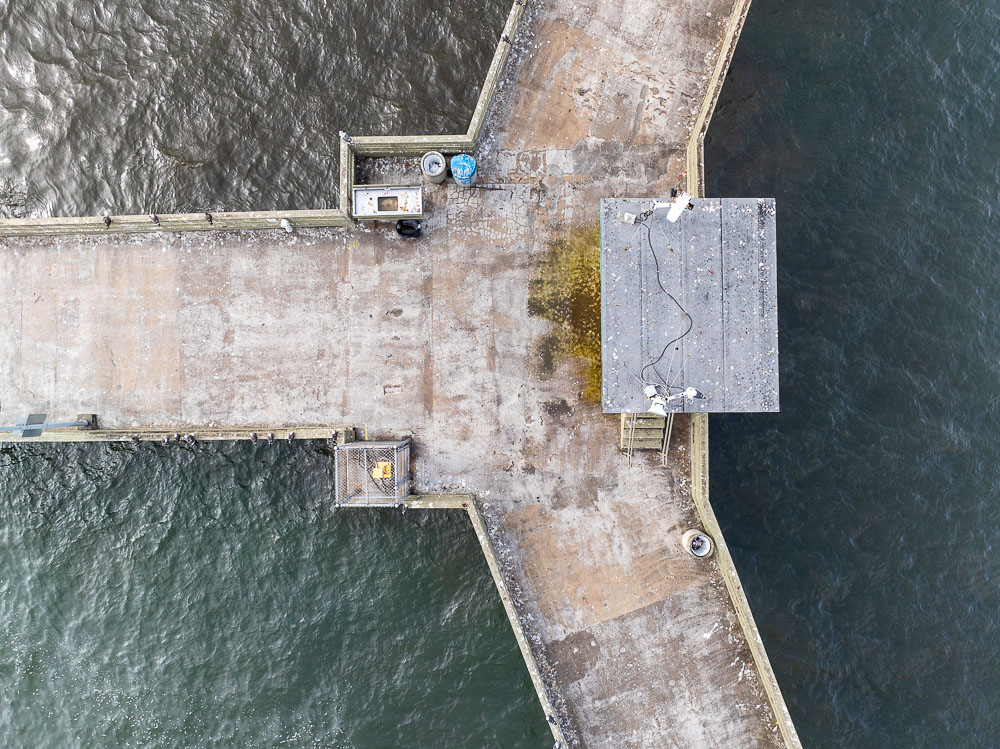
(463, 169)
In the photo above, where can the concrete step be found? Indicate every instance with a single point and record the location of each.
(644, 433)
(645, 419)
(653, 444)
(647, 434)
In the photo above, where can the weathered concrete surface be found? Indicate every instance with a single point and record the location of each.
(717, 328)
(639, 643)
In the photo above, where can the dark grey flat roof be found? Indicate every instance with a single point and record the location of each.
(718, 262)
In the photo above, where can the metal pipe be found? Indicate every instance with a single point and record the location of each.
(54, 425)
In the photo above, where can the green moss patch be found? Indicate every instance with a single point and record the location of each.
(567, 293)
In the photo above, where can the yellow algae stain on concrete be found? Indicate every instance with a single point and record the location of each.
(567, 293)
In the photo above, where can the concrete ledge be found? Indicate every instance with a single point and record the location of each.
(438, 502)
(515, 622)
(495, 72)
(345, 433)
(172, 222)
(371, 145)
(695, 168)
(346, 178)
(412, 145)
(695, 154)
(699, 493)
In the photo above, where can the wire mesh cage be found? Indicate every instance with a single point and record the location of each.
(372, 473)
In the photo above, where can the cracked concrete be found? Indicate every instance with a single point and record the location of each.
(638, 642)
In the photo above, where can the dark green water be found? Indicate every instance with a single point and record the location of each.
(207, 596)
(202, 596)
(863, 518)
(136, 106)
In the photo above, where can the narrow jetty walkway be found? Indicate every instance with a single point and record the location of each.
(640, 645)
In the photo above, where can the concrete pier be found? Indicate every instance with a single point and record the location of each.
(638, 644)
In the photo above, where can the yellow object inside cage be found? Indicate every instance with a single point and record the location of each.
(382, 470)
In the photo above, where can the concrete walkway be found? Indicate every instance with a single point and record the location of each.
(639, 642)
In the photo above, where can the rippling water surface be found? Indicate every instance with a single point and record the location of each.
(864, 517)
(134, 106)
(208, 596)
(205, 596)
